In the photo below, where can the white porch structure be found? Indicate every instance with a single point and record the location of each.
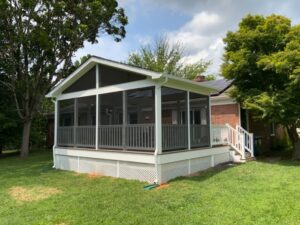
(122, 121)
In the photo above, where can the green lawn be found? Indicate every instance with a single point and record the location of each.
(254, 193)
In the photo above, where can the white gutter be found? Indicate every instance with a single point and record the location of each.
(55, 131)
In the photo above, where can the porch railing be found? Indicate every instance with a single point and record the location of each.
(65, 136)
(130, 137)
(199, 135)
(174, 136)
(110, 136)
(80, 136)
(140, 136)
(238, 138)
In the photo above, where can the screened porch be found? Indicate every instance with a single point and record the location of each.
(141, 119)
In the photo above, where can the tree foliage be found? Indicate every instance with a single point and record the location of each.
(10, 123)
(163, 56)
(263, 58)
(38, 39)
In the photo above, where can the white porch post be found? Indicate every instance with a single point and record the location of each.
(97, 108)
(55, 130)
(158, 122)
(210, 125)
(75, 121)
(188, 120)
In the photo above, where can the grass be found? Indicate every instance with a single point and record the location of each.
(259, 192)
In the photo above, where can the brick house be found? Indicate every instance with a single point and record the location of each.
(224, 110)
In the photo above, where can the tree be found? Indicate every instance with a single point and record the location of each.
(38, 39)
(10, 123)
(163, 56)
(263, 58)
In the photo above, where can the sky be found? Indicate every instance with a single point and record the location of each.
(199, 25)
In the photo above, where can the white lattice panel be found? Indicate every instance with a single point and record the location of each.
(137, 171)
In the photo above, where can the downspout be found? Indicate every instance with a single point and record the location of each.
(55, 130)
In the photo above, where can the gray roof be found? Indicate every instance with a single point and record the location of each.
(221, 85)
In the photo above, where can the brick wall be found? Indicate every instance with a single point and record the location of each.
(222, 114)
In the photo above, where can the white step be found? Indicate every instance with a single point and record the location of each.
(236, 158)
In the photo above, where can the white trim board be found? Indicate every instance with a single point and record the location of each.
(143, 158)
(108, 155)
(108, 89)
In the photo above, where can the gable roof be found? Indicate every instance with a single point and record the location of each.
(94, 60)
(220, 85)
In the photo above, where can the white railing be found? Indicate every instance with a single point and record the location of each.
(247, 140)
(238, 138)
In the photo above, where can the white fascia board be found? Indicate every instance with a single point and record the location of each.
(108, 89)
(187, 85)
(89, 64)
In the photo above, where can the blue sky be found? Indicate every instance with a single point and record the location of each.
(199, 25)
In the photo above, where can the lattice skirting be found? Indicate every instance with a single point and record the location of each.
(169, 166)
(113, 168)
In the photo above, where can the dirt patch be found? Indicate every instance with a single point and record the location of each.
(26, 194)
(163, 186)
(94, 175)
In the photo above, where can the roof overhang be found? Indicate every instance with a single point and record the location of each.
(166, 80)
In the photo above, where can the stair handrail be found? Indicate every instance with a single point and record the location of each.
(248, 140)
(235, 140)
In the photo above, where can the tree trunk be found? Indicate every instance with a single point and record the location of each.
(25, 138)
(296, 154)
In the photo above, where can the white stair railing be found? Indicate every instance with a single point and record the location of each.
(247, 140)
(240, 140)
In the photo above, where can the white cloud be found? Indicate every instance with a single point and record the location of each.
(202, 39)
(201, 34)
(202, 22)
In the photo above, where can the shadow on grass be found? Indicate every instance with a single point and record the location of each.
(206, 174)
(36, 164)
(283, 158)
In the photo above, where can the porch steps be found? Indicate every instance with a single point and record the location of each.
(237, 158)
